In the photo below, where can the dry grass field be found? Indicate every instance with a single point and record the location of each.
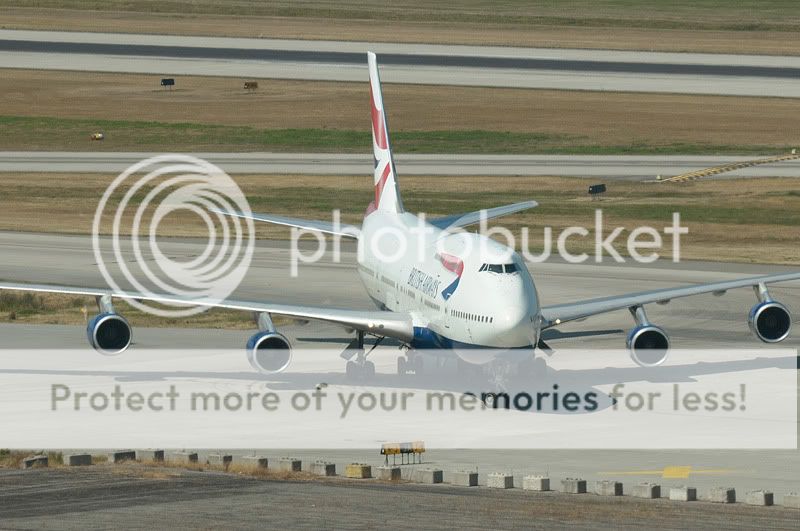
(767, 27)
(56, 308)
(565, 121)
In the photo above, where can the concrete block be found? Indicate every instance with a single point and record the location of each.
(358, 471)
(685, 494)
(647, 490)
(290, 464)
(759, 497)
(463, 478)
(184, 458)
(121, 455)
(538, 483)
(722, 495)
(257, 460)
(428, 475)
(389, 473)
(78, 459)
(220, 459)
(323, 468)
(792, 500)
(35, 461)
(573, 486)
(500, 480)
(607, 487)
(150, 455)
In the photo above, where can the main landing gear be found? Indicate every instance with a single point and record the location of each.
(410, 362)
(359, 368)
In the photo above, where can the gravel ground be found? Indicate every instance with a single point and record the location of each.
(143, 497)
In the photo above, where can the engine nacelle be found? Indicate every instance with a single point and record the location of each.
(109, 333)
(648, 345)
(269, 352)
(770, 321)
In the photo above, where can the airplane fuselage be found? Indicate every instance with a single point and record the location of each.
(463, 290)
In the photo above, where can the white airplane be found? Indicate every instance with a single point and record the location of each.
(467, 293)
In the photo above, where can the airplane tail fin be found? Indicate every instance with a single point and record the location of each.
(387, 194)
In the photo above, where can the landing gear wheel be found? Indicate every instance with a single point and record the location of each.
(401, 366)
(359, 370)
(418, 365)
(351, 370)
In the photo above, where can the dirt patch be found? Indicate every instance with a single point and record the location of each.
(56, 308)
(215, 499)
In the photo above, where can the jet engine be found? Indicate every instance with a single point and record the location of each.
(268, 351)
(109, 333)
(770, 321)
(648, 345)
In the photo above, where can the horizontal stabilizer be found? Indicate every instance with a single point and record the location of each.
(327, 227)
(462, 220)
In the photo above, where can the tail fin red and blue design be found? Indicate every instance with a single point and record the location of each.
(387, 194)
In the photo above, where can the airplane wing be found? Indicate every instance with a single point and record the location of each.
(389, 324)
(561, 313)
(350, 231)
(462, 220)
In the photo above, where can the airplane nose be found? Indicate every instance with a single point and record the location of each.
(517, 327)
(516, 308)
(515, 315)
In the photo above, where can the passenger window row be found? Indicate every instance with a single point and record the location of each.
(472, 316)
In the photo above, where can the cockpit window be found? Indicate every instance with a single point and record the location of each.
(499, 268)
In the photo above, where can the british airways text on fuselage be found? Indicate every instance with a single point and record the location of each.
(421, 281)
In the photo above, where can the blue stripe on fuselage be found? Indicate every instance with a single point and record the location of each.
(425, 338)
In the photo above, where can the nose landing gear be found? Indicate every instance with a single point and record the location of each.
(360, 369)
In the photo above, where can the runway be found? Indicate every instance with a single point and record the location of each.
(613, 167)
(425, 64)
(396, 59)
(696, 322)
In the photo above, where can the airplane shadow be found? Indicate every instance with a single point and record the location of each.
(577, 381)
(368, 342)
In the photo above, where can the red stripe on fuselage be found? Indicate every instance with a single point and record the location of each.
(452, 263)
